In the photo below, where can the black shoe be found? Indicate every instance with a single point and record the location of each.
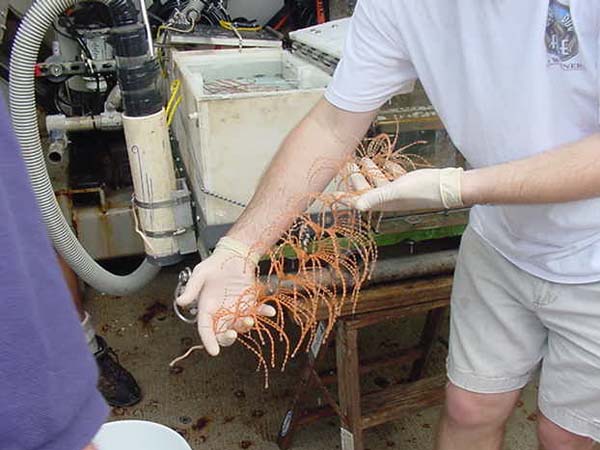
(115, 383)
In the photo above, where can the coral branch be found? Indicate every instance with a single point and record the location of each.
(333, 252)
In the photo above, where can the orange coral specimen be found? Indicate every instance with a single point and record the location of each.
(334, 251)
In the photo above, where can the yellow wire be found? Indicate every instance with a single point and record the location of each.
(229, 26)
(174, 101)
(175, 86)
(171, 114)
(188, 30)
(160, 32)
(159, 51)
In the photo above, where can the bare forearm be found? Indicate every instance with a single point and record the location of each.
(569, 173)
(308, 159)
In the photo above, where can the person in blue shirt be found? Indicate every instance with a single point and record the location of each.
(48, 394)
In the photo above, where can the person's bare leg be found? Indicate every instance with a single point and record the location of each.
(553, 437)
(472, 421)
(73, 284)
(116, 384)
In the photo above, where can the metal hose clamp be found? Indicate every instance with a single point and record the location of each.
(184, 277)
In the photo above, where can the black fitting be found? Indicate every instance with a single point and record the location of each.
(138, 77)
(123, 12)
(140, 90)
(129, 41)
(138, 80)
(141, 103)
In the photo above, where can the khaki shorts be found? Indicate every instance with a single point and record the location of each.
(506, 322)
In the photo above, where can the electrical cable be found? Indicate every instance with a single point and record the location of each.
(66, 23)
(69, 25)
(171, 115)
(231, 26)
(178, 30)
(175, 86)
(174, 101)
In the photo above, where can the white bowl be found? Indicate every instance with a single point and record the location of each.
(138, 435)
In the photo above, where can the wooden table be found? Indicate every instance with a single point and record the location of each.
(377, 304)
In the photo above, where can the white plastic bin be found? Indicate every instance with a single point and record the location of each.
(237, 108)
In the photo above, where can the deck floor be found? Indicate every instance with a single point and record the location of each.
(220, 403)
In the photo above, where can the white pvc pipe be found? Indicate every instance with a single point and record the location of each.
(153, 175)
(82, 123)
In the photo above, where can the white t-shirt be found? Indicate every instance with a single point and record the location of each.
(509, 79)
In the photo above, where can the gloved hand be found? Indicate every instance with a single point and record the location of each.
(224, 281)
(420, 190)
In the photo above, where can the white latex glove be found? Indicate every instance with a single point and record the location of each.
(420, 190)
(219, 282)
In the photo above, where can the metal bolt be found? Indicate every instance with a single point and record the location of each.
(56, 70)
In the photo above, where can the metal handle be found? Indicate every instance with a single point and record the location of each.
(184, 277)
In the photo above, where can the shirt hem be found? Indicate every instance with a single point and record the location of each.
(83, 428)
(533, 270)
(348, 105)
